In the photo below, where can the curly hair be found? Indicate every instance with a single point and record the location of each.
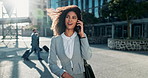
(58, 23)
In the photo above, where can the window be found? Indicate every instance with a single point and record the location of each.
(79, 4)
(39, 6)
(109, 31)
(96, 12)
(74, 2)
(90, 3)
(54, 3)
(45, 12)
(96, 3)
(90, 10)
(103, 31)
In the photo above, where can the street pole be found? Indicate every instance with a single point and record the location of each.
(2, 25)
(16, 25)
(16, 45)
(113, 31)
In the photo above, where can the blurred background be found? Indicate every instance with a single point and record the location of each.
(117, 31)
(103, 19)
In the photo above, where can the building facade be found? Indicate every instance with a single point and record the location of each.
(38, 15)
(100, 32)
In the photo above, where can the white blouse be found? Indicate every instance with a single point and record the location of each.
(68, 43)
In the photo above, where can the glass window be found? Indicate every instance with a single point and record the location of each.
(137, 32)
(96, 31)
(108, 0)
(109, 30)
(45, 12)
(84, 3)
(39, 6)
(103, 31)
(118, 31)
(62, 3)
(71, 2)
(125, 34)
(68, 2)
(96, 3)
(90, 3)
(54, 3)
(79, 3)
(101, 2)
(74, 2)
(90, 10)
(65, 3)
(96, 12)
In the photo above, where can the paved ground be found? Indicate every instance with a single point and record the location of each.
(105, 62)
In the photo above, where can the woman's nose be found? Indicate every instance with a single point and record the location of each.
(69, 19)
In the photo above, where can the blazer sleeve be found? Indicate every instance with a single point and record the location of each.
(85, 48)
(52, 60)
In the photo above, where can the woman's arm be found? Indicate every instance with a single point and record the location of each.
(85, 48)
(52, 60)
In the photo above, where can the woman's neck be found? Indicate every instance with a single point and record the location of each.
(69, 33)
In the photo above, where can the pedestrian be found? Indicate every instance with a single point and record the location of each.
(69, 44)
(34, 44)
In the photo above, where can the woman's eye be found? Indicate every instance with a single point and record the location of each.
(74, 17)
(67, 16)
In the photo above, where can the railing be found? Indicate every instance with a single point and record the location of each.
(14, 20)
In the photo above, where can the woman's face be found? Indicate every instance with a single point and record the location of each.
(71, 20)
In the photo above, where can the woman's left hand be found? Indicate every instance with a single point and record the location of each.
(81, 32)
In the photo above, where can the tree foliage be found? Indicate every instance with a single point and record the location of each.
(89, 18)
(33, 27)
(125, 9)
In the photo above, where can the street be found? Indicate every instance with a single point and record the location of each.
(105, 62)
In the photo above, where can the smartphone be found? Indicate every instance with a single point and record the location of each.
(77, 28)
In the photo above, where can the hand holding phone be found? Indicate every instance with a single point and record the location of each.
(79, 28)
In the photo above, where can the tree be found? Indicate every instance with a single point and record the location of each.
(143, 9)
(89, 18)
(33, 27)
(105, 10)
(124, 10)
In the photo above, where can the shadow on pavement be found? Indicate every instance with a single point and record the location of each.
(43, 74)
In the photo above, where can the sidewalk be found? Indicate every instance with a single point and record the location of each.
(106, 63)
(13, 66)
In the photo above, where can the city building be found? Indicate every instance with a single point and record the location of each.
(100, 32)
(38, 16)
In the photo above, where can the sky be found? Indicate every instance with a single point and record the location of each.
(22, 7)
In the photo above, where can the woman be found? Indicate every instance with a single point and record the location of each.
(69, 46)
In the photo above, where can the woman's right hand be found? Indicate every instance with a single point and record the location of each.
(66, 75)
